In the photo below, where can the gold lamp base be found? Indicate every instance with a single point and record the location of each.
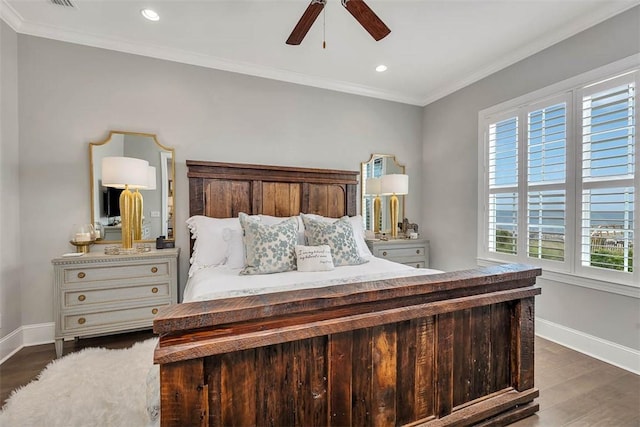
(376, 214)
(393, 209)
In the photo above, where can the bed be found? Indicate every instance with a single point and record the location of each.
(446, 349)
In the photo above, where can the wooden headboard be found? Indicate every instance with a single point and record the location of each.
(222, 190)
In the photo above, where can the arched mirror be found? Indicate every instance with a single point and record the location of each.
(158, 218)
(378, 166)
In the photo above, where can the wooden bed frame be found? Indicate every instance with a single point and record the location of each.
(447, 349)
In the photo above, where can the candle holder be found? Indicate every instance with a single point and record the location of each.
(82, 237)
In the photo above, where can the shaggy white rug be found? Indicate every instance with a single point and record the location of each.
(93, 387)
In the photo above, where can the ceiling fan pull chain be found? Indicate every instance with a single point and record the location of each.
(324, 25)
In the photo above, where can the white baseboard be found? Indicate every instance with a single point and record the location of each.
(25, 336)
(10, 344)
(607, 351)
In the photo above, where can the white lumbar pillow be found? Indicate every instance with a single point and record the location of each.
(314, 258)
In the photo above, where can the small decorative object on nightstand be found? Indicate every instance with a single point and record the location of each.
(413, 252)
(82, 237)
(98, 294)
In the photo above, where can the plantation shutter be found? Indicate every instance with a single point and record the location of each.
(371, 171)
(546, 181)
(503, 186)
(608, 145)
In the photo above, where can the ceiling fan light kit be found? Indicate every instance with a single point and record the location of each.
(358, 9)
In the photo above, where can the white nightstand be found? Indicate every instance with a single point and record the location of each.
(413, 252)
(98, 294)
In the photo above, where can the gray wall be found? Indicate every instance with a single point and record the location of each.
(450, 156)
(10, 266)
(70, 95)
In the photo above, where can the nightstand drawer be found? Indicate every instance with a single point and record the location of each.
(78, 322)
(395, 253)
(412, 252)
(90, 274)
(87, 297)
(417, 264)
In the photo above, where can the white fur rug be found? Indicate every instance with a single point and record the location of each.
(93, 387)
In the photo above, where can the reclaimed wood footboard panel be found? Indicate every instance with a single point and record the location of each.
(449, 349)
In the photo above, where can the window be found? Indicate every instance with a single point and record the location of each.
(608, 146)
(558, 179)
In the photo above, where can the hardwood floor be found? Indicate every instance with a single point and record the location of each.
(575, 390)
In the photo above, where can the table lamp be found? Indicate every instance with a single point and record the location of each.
(394, 185)
(127, 173)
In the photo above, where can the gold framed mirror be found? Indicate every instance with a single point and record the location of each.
(157, 216)
(378, 166)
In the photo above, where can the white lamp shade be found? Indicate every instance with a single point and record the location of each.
(120, 171)
(372, 186)
(151, 178)
(394, 184)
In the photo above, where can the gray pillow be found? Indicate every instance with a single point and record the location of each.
(337, 235)
(268, 248)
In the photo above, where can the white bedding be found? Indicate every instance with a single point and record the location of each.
(223, 281)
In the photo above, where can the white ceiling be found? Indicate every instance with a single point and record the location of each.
(435, 46)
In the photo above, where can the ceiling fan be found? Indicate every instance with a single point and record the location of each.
(358, 8)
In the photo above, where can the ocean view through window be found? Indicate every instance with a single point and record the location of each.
(558, 179)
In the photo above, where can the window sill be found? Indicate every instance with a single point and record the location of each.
(576, 280)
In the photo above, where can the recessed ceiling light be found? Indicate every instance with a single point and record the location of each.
(151, 15)
(381, 68)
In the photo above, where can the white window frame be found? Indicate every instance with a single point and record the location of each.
(570, 270)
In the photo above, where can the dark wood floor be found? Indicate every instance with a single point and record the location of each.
(575, 390)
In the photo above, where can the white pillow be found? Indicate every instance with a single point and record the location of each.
(358, 232)
(236, 249)
(314, 258)
(210, 248)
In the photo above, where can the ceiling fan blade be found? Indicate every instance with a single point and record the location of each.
(306, 21)
(367, 18)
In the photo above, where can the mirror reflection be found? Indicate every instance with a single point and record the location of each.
(157, 215)
(378, 166)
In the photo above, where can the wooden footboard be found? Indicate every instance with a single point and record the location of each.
(447, 349)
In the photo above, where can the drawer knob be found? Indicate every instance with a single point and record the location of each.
(154, 311)
(154, 269)
(384, 253)
(81, 275)
(81, 298)
(154, 290)
(418, 251)
(82, 320)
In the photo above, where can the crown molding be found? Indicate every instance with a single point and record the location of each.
(9, 15)
(194, 58)
(608, 11)
(15, 21)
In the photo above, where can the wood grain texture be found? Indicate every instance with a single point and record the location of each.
(569, 382)
(183, 394)
(435, 350)
(522, 344)
(444, 364)
(384, 377)
(362, 377)
(340, 378)
(435, 287)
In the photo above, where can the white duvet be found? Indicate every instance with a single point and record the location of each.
(224, 282)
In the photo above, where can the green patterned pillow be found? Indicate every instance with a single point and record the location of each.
(338, 235)
(269, 248)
